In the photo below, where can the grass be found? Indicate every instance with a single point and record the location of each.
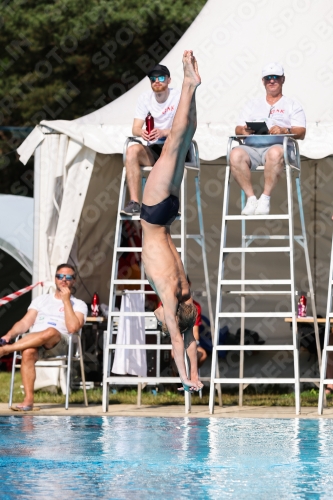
(168, 397)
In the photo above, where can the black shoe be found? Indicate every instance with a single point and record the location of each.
(132, 208)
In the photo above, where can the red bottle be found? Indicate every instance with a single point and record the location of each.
(149, 122)
(301, 307)
(95, 305)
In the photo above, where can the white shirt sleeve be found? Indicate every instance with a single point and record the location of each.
(141, 109)
(80, 306)
(35, 304)
(297, 118)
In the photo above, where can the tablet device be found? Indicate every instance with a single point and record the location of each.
(259, 128)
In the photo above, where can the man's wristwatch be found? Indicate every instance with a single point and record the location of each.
(288, 130)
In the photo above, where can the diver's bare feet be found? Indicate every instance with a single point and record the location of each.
(191, 385)
(198, 383)
(191, 73)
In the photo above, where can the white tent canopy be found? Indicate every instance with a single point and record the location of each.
(16, 229)
(232, 41)
(77, 162)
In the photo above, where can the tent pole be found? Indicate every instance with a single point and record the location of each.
(37, 175)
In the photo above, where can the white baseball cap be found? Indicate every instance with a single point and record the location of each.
(272, 68)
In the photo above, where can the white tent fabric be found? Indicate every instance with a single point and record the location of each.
(16, 228)
(62, 174)
(232, 41)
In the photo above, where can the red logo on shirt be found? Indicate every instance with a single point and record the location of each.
(169, 108)
(61, 309)
(277, 111)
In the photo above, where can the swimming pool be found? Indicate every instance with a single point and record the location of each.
(139, 458)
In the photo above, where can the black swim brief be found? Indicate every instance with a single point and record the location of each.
(156, 150)
(163, 213)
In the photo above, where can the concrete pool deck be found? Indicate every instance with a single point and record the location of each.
(198, 411)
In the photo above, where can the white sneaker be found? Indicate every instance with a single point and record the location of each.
(250, 207)
(263, 206)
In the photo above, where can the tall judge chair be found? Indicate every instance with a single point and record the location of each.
(327, 348)
(192, 165)
(249, 288)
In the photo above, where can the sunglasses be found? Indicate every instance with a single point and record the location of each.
(160, 78)
(271, 77)
(68, 277)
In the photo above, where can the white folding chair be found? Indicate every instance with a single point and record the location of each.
(68, 358)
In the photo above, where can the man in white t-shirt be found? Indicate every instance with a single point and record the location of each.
(161, 102)
(282, 115)
(51, 318)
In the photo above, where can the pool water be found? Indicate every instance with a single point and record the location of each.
(176, 458)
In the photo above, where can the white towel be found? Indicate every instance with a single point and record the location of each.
(131, 330)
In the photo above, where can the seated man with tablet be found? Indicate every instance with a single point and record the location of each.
(281, 115)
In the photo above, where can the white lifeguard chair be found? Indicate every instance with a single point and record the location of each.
(182, 237)
(249, 287)
(326, 348)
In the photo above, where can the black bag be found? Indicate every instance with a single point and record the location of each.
(250, 337)
(307, 336)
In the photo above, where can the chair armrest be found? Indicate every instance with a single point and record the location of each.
(194, 162)
(287, 141)
(231, 139)
(128, 140)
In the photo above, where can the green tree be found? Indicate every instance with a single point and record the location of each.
(65, 58)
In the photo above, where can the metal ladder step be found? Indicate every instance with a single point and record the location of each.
(129, 217)
(149, 347)
(271, 237)
(254, 249)
(257, 217)
(255, 347)
(255, 314)
(131, 282)
(144, 380)
(256, 292)
(254, 282)
(117, 314)
(254, 380)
